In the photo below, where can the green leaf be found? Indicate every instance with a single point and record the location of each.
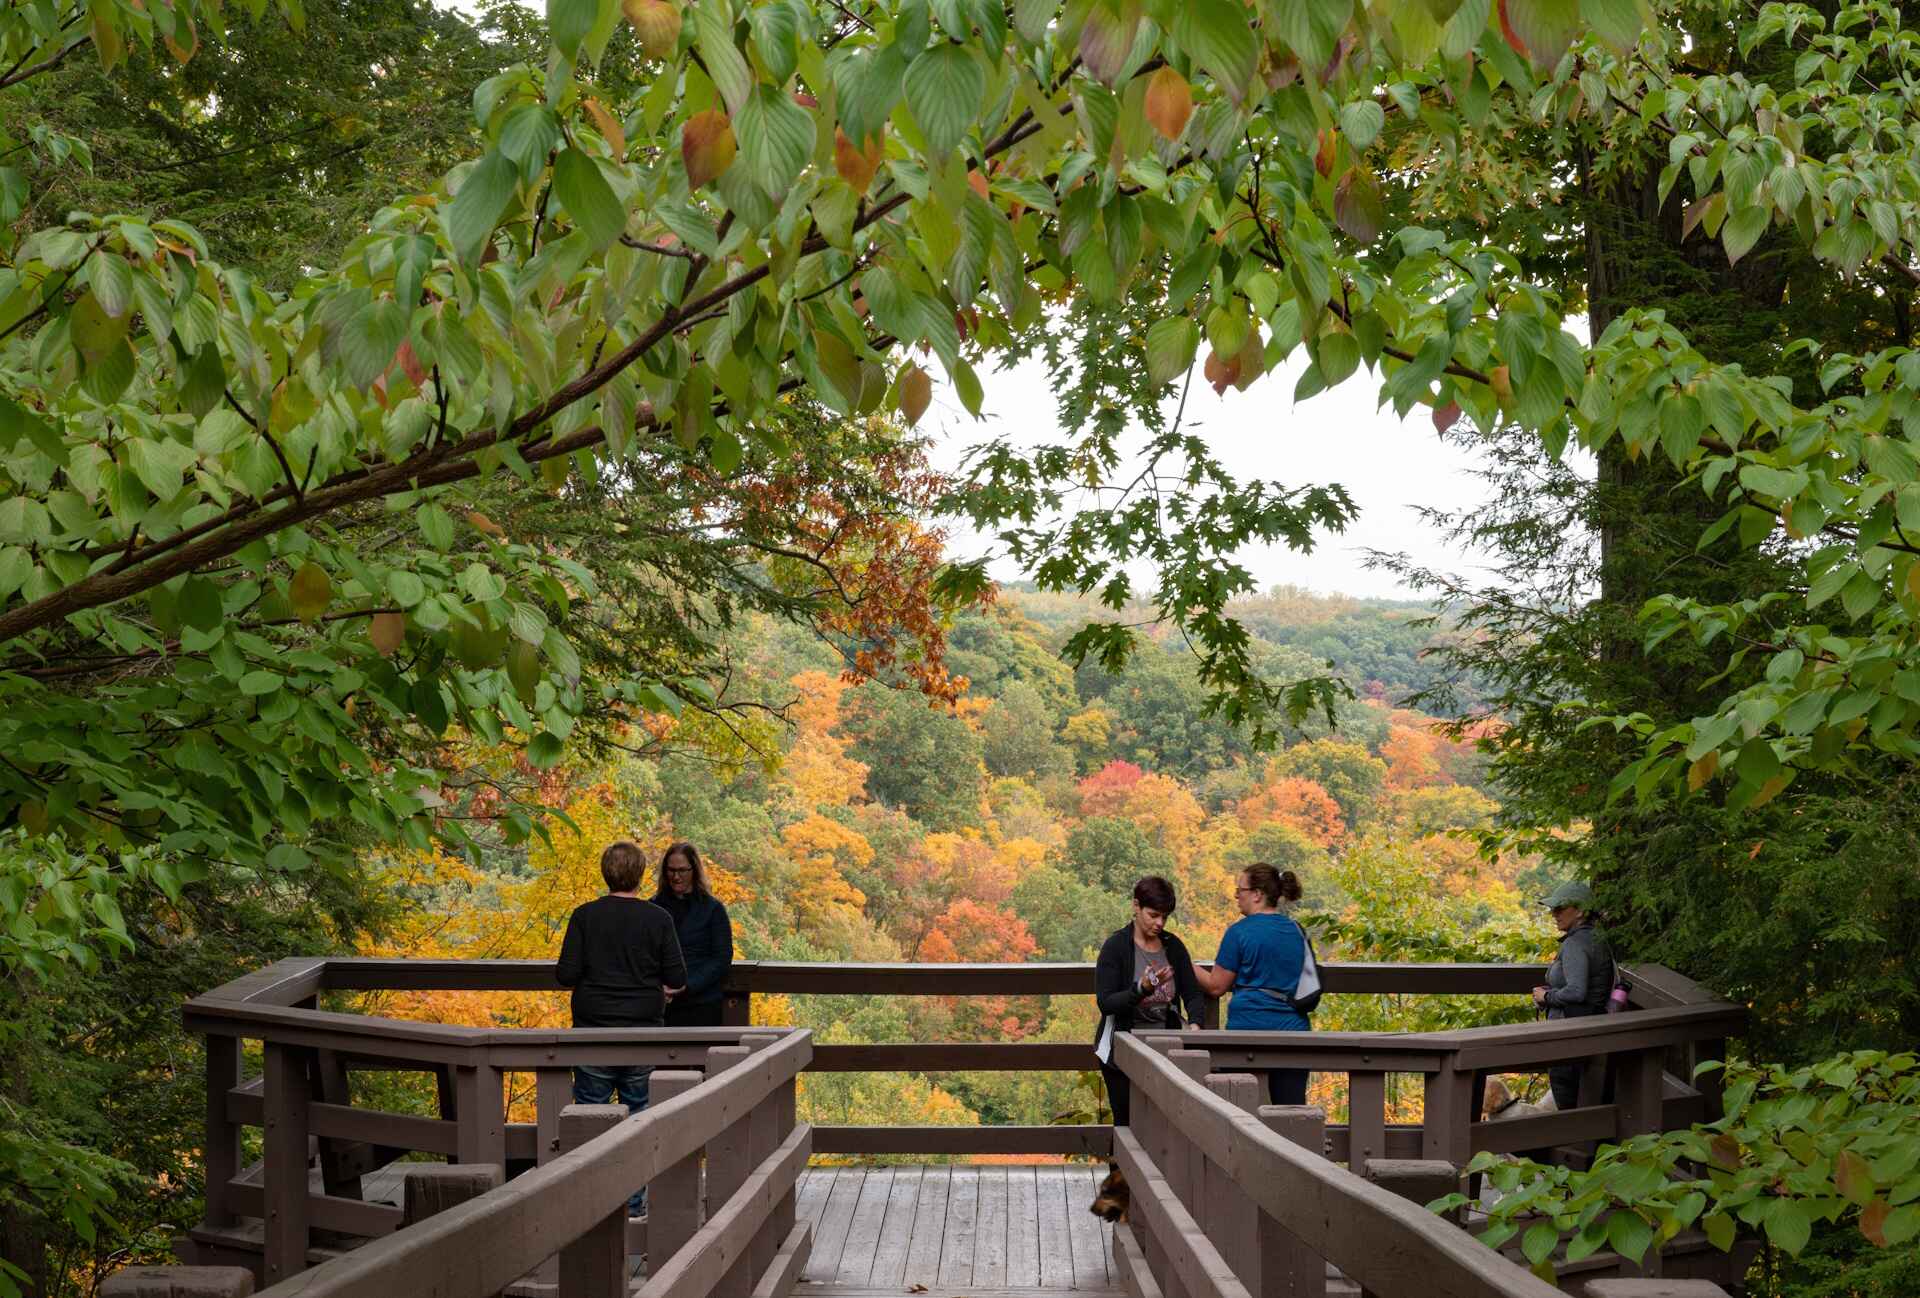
(866, 86)
(1220, 38)
(94, 331)
(1789, 1224)
(1629, 1234)
(775, 32)
(1358, 207)
(436, 525)
(257, 683)
(944, 88)
(406, 589)
(776, 137)
(568, 22)
(112, 283)
(587, 197)
(713, 34)
(545, 751)
(1171, 344)
(1742, 230)
(1541, 29)
(161, 463)
(1361, 122)
(1720, 1231)
(480, 203)
(370, 340)
(1539, 1242)
(1617, 22)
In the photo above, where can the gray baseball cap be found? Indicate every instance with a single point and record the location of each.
(1575, 893)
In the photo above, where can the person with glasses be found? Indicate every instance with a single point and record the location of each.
(1579, 980)
(706, 937)
(1144, 979)
(1262, 958)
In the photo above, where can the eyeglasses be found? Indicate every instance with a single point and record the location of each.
(1238, 891)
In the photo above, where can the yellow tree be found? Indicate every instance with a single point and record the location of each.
(817, 765)
(820, 850)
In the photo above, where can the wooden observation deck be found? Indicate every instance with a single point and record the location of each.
(1231, 1198)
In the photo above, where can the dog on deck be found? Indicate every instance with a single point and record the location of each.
(1113, 1200)
(1504, 1104)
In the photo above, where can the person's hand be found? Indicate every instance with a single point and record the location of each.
(672, 992)
(1540, 996)
(1156, 974)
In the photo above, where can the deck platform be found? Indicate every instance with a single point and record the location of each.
(1003, 1229)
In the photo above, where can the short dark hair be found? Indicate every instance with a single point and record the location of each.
(1273, 883)
(692, 853)
(622, 865)
(1154, 893)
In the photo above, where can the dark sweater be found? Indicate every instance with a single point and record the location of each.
(1581, 976)
(706, 940)
(1118, 995)
(617, 955)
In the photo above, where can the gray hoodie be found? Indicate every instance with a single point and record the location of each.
(1581, 976)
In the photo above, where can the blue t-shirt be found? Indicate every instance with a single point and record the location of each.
(1263, 950)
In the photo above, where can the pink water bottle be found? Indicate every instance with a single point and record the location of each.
(1617, 998)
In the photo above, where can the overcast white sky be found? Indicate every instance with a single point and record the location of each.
(1387, 466)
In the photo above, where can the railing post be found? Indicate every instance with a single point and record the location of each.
(730, 1160)
(428, 1189)
(1639, 1091)
(1446, 1130)
(1297, 1270)
(1180, 1161)
(552, 1092)
(1419, 1180)
(1366, 1118)
(673, 1201)
(1713, 1085)
(1233, 1218)
(286, 1096)
(594, 1265)
(480, 1099)
(221, 1149)
(766, 1133)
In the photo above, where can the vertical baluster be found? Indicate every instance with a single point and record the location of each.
(552, 1092)
(1233, 1218)
(594, 1265)
(1639, 1091)
(673, 1200)
(1298, 1271)
(221, 1156)
(481, 1102)
(1180, 1161)
(287, 1096)
(764, 1135)
(729, 1162)
(1366, 1118)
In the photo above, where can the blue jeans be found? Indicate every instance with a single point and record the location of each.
(593, 1085)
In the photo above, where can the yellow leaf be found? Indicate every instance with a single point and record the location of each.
(857, 165)
(916, 390)
(310, 592)
(484, 524)
(609, 127)
(388, 632)
(1702, 771)
(657, 24)
(1169, 103)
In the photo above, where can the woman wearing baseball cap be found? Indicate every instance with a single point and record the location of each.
(1579, 980)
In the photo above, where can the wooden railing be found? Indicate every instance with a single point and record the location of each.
(269, 1216)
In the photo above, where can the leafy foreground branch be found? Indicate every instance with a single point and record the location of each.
(1835, 1141)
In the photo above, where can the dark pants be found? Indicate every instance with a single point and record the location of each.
(1287, 1086)
(1119, 1095)
(703, 1015)
(596, 1085)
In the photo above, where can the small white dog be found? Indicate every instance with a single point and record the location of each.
(1504, 1104)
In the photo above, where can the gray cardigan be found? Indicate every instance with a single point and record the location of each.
(1581, 976)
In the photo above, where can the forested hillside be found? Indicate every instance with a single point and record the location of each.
(1007, 826)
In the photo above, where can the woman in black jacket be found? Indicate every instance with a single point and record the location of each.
(706, 937)
(1143, 979)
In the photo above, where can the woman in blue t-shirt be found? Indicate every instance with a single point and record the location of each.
(1260, 961)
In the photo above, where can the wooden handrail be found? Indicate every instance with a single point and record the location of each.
(486, 1244)
(1380, 1241)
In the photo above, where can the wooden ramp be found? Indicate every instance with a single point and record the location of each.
(950, 1232)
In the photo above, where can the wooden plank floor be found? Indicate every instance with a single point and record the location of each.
(1006, 1230)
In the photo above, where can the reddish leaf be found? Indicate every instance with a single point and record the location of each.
(1357, 205)
(416, 373)
(1725, 1151)
(916, 391)
(707, 146)
(1223, 374)
(978, 184)
(1506, 30)
(1873, 1222)
(482, 523)
(1169, 103)
(1323, 156)
(388, 632)
(1444, 416)
(857, 165)
(656, 23)
(1106, 38)
(805, 100)
(1852, 1177)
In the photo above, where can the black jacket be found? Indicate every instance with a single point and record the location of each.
(706, 940)
(617, 954)
(1117, 994)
